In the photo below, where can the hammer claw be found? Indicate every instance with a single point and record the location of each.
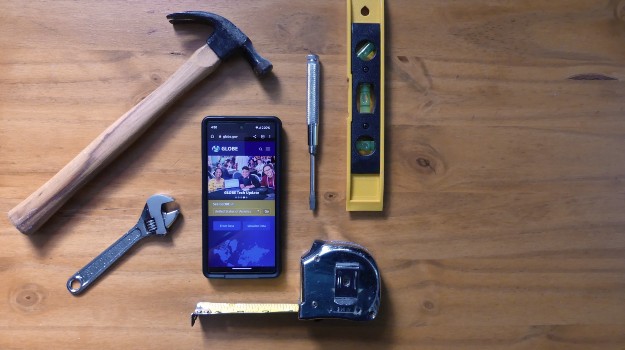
(226, 38)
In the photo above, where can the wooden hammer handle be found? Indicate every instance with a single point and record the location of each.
(29, 215)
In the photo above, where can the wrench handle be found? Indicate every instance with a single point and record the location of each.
(83, 278)
(34, 211)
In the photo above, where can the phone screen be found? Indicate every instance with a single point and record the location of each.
(241, 196)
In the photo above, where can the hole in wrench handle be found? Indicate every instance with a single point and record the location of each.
(74, 284)
(84, 278)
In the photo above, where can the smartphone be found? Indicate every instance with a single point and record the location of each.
(241, 187)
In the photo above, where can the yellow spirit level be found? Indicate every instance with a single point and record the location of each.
(365, 120)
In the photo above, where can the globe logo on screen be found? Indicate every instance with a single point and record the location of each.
(215, 149)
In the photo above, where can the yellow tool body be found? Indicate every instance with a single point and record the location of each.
(365, 120)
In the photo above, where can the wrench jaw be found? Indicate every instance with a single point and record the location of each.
(155, 219)
(170, 217)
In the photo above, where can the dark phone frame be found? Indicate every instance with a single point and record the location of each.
(255, 272)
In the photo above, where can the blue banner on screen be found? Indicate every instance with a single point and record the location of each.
(236, 148)
(242, 241)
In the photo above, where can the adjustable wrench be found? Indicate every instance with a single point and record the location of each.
(153, 221)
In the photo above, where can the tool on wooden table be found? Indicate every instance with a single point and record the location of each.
(312, 118)
(365, 121)
(339, 280)
(154, 221)
(226, 39)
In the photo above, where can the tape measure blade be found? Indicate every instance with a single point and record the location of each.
(208, 308)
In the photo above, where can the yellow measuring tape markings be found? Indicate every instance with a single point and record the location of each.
(208, 308)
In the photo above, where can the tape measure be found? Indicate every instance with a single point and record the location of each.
(339, 280)
(208, 308)
(365, 121)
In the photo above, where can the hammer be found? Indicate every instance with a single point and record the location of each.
(226, 39)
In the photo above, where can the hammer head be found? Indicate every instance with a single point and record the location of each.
(226, 38)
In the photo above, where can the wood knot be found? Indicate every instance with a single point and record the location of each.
(425, 165)
(330, 196)
(155, 78)
(430, 308)
(28, 297)
(423, 162)
(427, 161)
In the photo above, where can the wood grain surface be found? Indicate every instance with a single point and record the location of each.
(503, 225)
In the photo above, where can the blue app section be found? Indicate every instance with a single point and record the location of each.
(241, 241)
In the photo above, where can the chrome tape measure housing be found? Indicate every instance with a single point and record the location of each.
(339, 280)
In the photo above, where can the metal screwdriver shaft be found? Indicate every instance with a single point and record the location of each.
(312, 118)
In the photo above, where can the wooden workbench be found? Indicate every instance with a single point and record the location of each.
(504, 223)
